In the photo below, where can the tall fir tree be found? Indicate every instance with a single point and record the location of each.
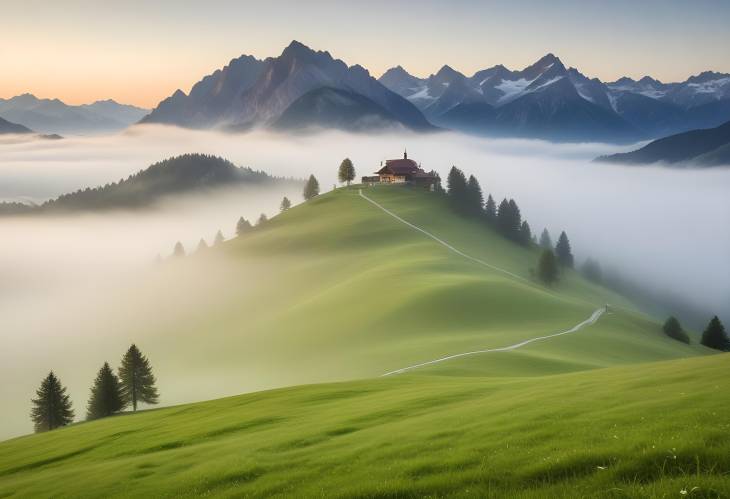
(285, 204)
(715, 336)
(456, 189)
(547, 267)
(219, 239)
(202, 245)
(52, 406)
(311, 188)
(504, 219)
(515, 221)
(563, 251)
(490, 211)
(474, 197)
(525, 234)
(673, 329)
(346, 173)
(138, 382)
(546, 242)
(106, 394)
(179, 250)
(242, 226)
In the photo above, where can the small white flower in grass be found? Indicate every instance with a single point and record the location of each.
(601, 467)
(683, 492)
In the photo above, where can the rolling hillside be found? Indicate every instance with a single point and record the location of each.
(337, 289)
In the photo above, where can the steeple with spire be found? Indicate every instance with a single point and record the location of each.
(405, 153)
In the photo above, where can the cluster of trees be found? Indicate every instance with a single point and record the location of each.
(110, 393)
(714, 335)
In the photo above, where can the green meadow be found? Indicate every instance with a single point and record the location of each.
(330, 295)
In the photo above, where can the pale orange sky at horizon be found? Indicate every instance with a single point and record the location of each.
(139, 54)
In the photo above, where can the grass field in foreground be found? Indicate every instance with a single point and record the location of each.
(650, 430)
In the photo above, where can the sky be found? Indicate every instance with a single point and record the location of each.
(139, 52)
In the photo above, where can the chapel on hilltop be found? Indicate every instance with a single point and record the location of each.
(404, 171)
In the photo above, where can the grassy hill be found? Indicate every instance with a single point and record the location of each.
(651, 430)
(336, 290)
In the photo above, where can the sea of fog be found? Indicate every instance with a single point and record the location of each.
(667, 228)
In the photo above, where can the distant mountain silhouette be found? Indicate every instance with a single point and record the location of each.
(8, 127)
(708, 147)
(179, 175)
(250, 93)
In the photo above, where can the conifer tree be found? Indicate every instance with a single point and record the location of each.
(138, 382)
(591, 270)
(525, 234)
(202, 245)
(52, 406)
(311, 189)
(504, 218)
(219, 239)
(242, 226)
(106, 394)
(346, 172)
(715, 336)
(546, 242)
(179, 250)
(563, 251)
(547, 267)
(515, 220)
(490, 211)
(285, 204)
(673, 329)
(474, 197)
(456, 189)
(262, 220)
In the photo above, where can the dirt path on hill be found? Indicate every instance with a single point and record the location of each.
(591, 320)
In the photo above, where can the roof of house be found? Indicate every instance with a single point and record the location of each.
(399, 166)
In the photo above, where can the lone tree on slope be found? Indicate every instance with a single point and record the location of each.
(346, 172)
(546, 241)
(715, 336)
(311, 188)
(242, 226)
(179, 249)
(285, 204)
(138, 382)
(547, 267)
(52, 407)
(563, 251)
(219, 239)
(673, 329)
(106, 394)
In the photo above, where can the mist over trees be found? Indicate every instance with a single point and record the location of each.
(178, 250)
(52, 406)
(547, 267)
(546, 241)
(137, 380)
(219, 239)
(673, 329)
(285, 204)
(592, 271)
(563, 251)
(243, 226)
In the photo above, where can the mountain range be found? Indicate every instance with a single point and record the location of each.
(8, 127)
(548, 100)
(52, 116)
(709, 147)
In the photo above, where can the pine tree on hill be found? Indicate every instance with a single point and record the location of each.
(474, 197)
(504, 218)
(591, 270)
(242, 226)
(515, 221)
(346, 172)
(311, 188)
(563, 251)
(106, 394)
(219, 239)
(202, 245)
(179, 250)
(674, 330)
(715, 336)
(525, 234)
(262, 220)
(285, 204)
(547, 267)
(138, 382)
(490, 211)
(546, 242)
(456, 189)
(52, 406)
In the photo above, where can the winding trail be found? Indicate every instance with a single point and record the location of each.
(590, 320)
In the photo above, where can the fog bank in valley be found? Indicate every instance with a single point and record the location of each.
(666, 228)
